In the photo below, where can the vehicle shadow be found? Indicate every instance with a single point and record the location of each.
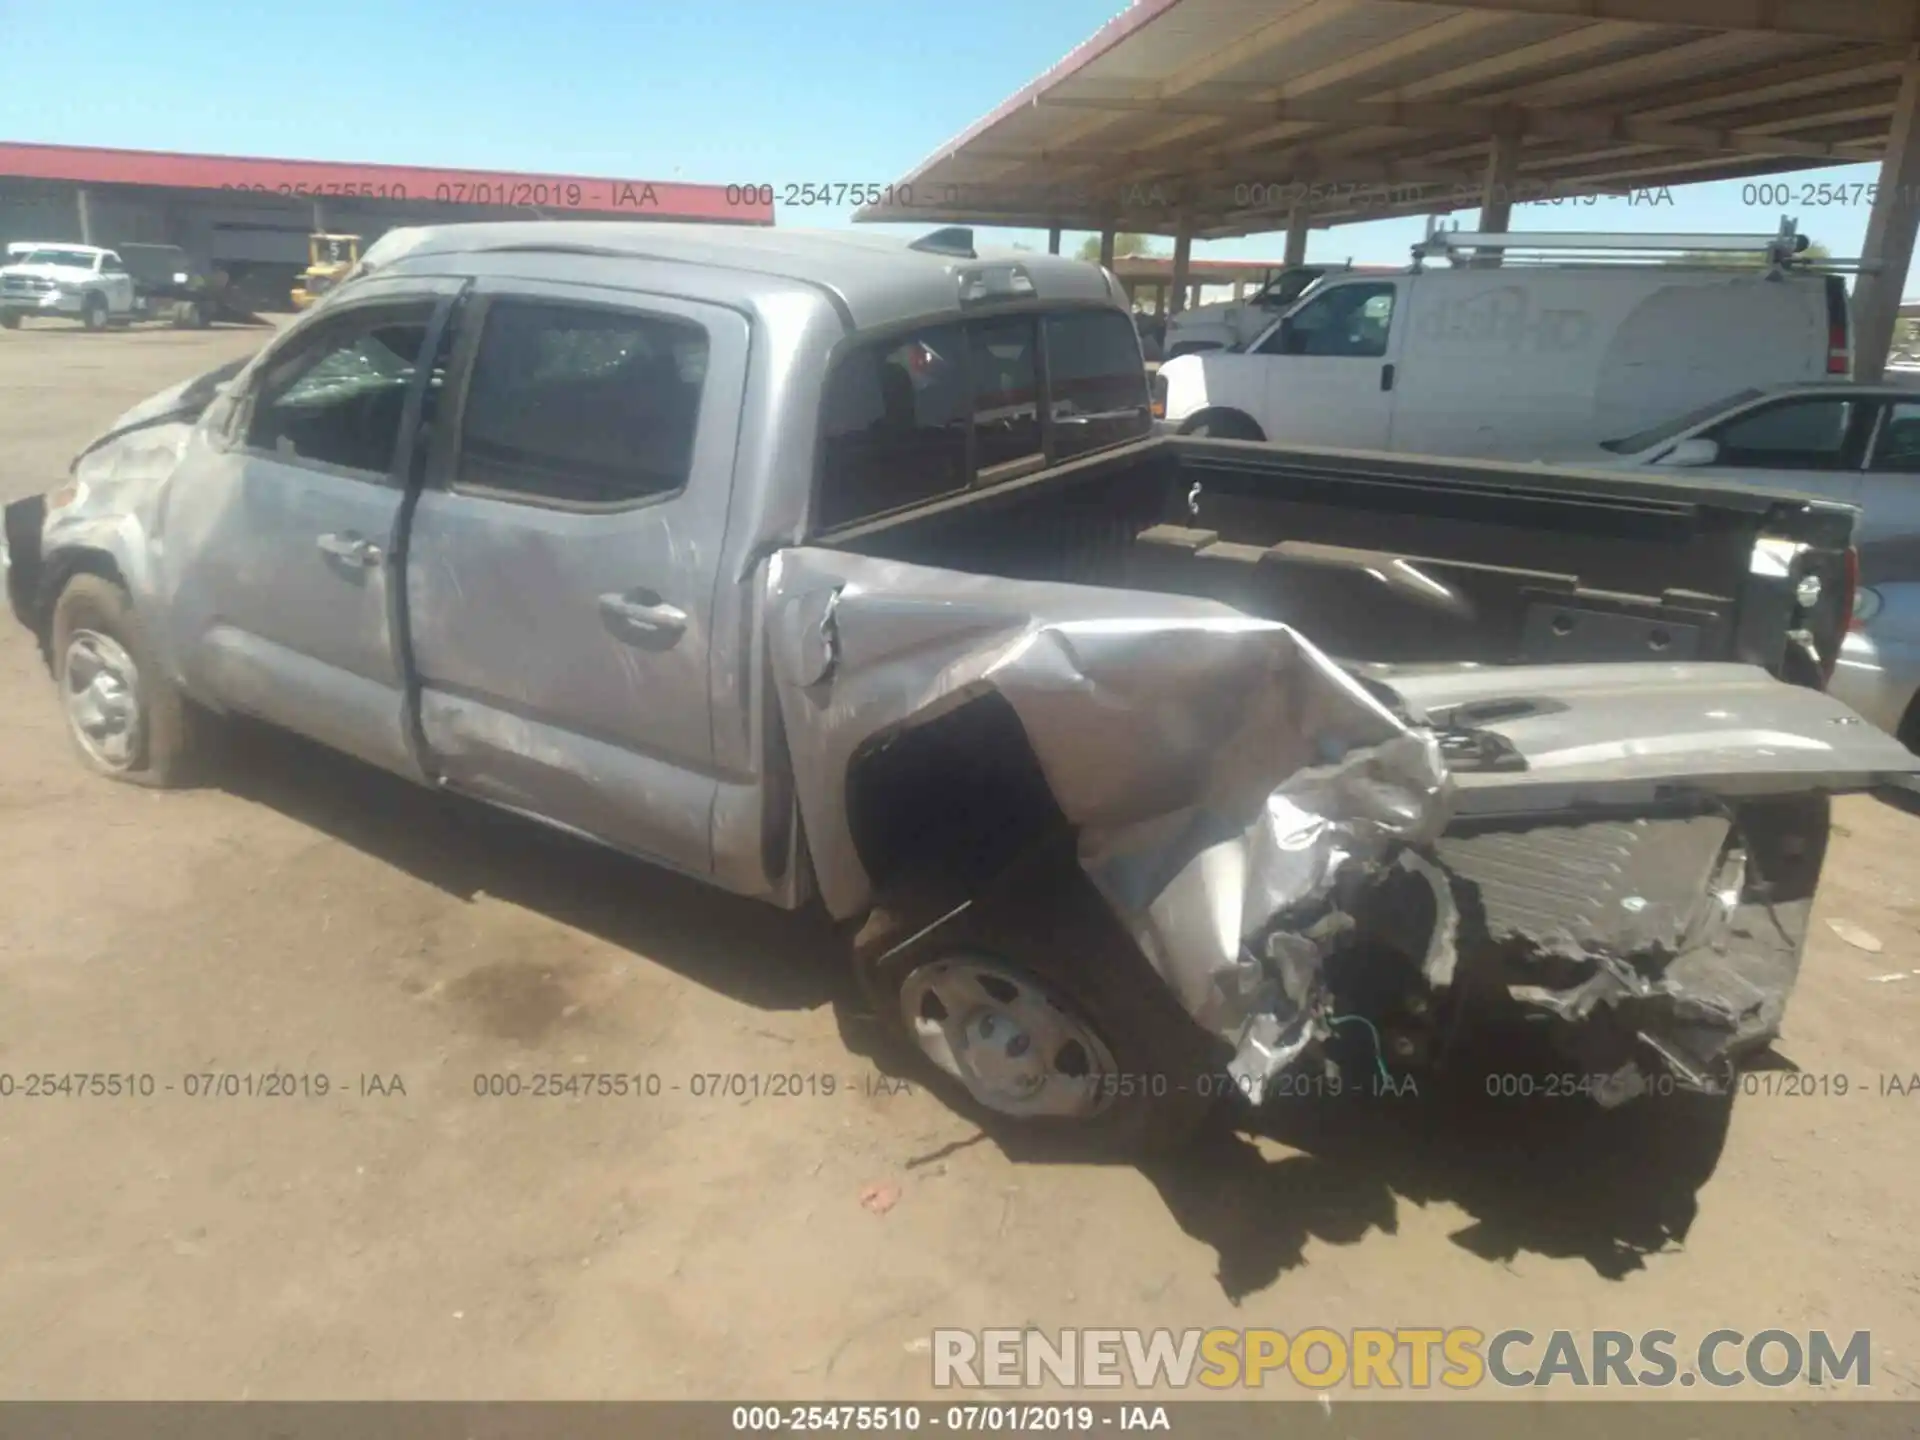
(1555, 1177)
(747, 951)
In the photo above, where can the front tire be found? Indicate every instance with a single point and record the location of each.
(93, 312)
(1033, 1012)
(9, 319)
(1225, 425)
(125, 717)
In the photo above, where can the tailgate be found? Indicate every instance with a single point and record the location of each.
(1529, 739)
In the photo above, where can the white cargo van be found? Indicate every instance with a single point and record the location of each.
(1523, 361)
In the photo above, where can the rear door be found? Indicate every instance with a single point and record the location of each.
(1329, 367)
(279, 531)
(1890, 486)
(564, 555)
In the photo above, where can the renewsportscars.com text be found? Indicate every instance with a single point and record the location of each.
(1459, 1358)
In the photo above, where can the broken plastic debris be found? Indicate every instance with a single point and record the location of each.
(880, 1197)
(1855, 936)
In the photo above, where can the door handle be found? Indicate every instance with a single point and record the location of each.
(352, 548)
(1386, 377)
(643, 617)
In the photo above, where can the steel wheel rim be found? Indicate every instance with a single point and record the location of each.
(101, 685)
(1016, 1048)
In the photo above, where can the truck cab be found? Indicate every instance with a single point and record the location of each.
(820, 566)
(79, 282)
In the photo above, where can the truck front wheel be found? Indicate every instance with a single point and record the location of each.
(126, 718)
(9, 319)
(93, 312)
(1033, 1010)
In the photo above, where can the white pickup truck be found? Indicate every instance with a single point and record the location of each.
(79, 282)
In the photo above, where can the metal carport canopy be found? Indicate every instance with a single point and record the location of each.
(1225, 117)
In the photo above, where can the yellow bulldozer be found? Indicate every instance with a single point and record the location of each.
(329, 257)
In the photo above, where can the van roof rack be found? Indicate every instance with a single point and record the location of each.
(1781, 249)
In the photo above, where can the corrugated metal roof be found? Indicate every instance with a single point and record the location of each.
(1234, 111)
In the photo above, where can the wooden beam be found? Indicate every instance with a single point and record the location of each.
(1182, 260)
(1897, 20)
(1891, 232)
(1479, 120)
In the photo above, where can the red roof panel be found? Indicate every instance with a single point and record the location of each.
(569, 194)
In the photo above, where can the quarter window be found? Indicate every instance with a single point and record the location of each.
(337, 395)
(577, 405)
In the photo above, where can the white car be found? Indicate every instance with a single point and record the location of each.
(1842, 441)
(79, 282)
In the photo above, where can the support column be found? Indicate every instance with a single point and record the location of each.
(83, 203)
(1053, 241)
(1182, 263)
(319, 218)
(1496, 192)
(1297, 220)
(1890, 234)
(1106, 248)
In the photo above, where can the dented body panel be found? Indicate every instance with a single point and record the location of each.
(1198, 644)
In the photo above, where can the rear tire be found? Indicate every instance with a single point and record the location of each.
(9, 320)
(1131, 1075)
(124, 716)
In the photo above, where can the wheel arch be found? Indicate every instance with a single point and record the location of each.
(949, 801)
(1225, 414)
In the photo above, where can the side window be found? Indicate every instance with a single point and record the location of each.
(1809, 434)
(1898, 452)
(1005, 364)
(110, 265)
(894, 426)
(336, 395)
(1097, 386)
(1351, 321)
(578, 405)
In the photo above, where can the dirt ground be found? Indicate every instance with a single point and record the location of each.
(309, 916)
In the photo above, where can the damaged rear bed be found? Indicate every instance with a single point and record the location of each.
(1349, 735)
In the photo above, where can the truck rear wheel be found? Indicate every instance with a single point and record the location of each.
(1033, 1011)
(126, 718)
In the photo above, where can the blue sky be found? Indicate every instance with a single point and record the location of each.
(721, 91)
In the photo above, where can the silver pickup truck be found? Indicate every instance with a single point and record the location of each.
(837, 568)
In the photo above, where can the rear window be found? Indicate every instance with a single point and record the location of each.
(910, 419)
(1095, 382)
(895, 425)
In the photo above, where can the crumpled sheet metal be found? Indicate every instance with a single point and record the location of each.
(1223, 774)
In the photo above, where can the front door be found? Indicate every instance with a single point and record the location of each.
(279, 535)
(1804, 444)
(563, 558)
(1330, 368)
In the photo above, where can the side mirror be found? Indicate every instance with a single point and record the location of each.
(1694, 451)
